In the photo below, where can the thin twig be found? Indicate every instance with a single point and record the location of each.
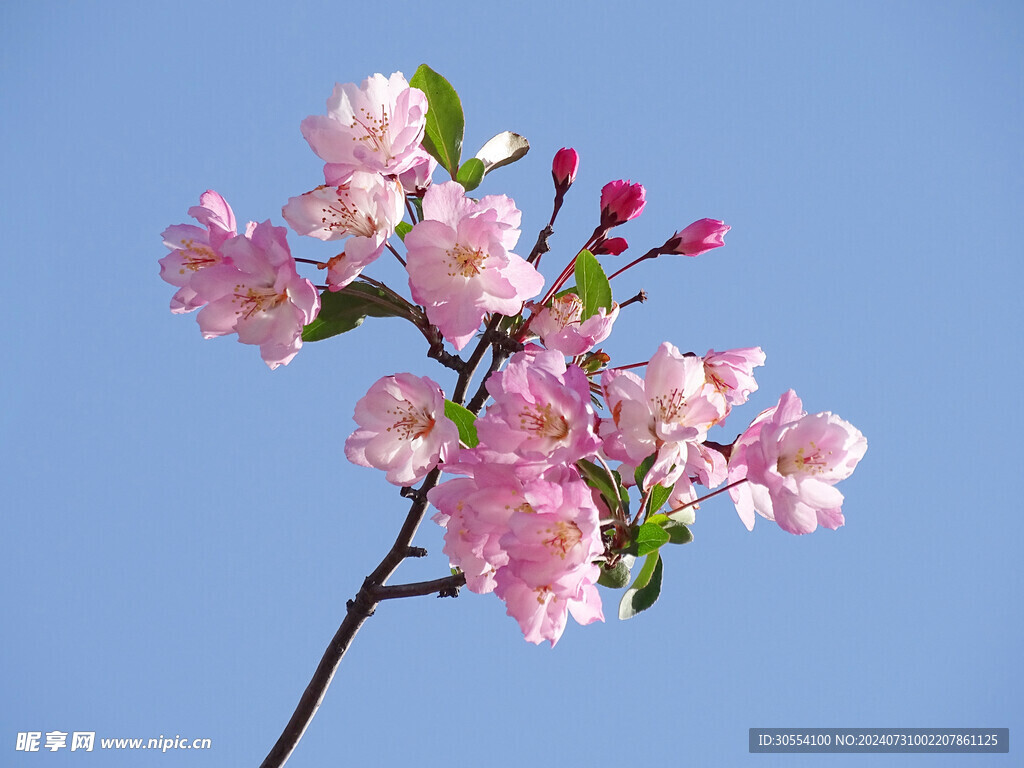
(359, 610)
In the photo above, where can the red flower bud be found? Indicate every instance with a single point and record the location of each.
(620, 202)
(699, 237)
(564, 168)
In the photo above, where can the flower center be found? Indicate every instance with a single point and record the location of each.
(254, 300)
(564, 536)
(196, 256)
(543, 422)
(464, 261)
(808, 460)
(670, 407)
(410, 422)
(376, 131)
(342, 215)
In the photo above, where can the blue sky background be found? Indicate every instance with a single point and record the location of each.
(181, 529)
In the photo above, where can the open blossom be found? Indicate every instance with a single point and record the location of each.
(700, 237)
(365, 209)
(672, 407)
(791, 461)
(731, 373)
(541, 410)
(528, 533)
(460, 264)
(257, 294)
(194, 248)
(402, 429)
(560, 326)
(374, 127)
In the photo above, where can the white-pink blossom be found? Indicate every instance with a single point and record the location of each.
(541, 410)
(460, 263)
(791, 462)
(194, 248)
(258, 294)
(364, 210)
(402, 429)
(374, 127)
(560, 325)
(660, 414)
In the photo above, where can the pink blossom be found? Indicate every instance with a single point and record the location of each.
(376, 127)
(419, 176)
(366, 208)
(663, 413)
(560, 328)
(698, 238)
(620, 202)
(731, 372)
(791, 462)
(402, 429)
(564, 168)
(194, 248)
(460, 264)
(257, 294)
(541, 410)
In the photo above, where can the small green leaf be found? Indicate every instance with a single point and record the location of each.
(344, 310)
(594, 289)
(658, 496)
(465, 420)
(678, 533)
(503, 149)
(616, 577)
(402, 229)
(445, 120)
(642, 596)
(417, 203)
(643, 469)
(597, 477)
(471, 174)
(649, 538)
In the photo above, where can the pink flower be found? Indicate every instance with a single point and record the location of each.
(402, 429)
(791, 462)
(731, 373)
(560, 328)
(662, 414)
(416, 180)
(459, 262)
(257, 294)
(194, 248)
(620, 202)
(541, 410)
(366, 208)
(698, 238)
(564, 168)
(376, 127)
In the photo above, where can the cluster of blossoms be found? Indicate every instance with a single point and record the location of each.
(532, 509)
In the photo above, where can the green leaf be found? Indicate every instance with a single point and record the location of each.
(642, 595)
(658, 496)
(616, 577)
(597, 477)
(678, 533)
(649, 538)
(465, 420)
(445, 120)
(594, 289)
(471, 174)
(344, 310)
(402, 229)
(503, 149)
(643, 469)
